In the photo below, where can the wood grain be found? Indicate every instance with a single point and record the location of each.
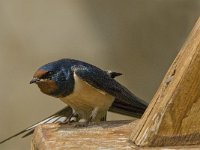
(113, 135)
(106, 135)
(173, 116)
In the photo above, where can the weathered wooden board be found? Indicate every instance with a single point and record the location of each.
(173, 117)
(53, 136)
(107, 135)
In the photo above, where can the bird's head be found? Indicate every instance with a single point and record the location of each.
(52, 78)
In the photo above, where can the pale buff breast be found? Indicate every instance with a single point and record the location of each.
(86, 98)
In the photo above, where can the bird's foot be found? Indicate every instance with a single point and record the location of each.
(73, 118)
(82, 123)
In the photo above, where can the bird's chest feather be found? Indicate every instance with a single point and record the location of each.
(86, 98)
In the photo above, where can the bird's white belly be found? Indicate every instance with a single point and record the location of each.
(85, 98)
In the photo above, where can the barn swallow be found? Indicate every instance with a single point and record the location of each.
(88, 91)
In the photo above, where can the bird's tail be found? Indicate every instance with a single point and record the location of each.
(60, 116)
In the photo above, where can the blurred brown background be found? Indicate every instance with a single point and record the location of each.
(136, 37)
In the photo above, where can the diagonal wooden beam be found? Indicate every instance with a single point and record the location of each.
(173, 116)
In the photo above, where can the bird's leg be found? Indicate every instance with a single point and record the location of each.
(92, 117)
(81, 123)
(93, 114)
(72, 118)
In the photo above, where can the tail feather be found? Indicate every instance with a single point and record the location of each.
(29, 133)
(59, 116)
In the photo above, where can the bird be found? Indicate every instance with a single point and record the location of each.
(88, 91)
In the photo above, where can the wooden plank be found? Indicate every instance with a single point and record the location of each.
(173, 117)
(106, 135)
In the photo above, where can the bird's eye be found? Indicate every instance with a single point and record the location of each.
(48, 75)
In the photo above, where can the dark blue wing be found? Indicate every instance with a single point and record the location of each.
(101, 80)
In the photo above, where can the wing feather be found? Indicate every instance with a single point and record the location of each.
(101, 80)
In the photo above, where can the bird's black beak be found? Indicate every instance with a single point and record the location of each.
(34, 80)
